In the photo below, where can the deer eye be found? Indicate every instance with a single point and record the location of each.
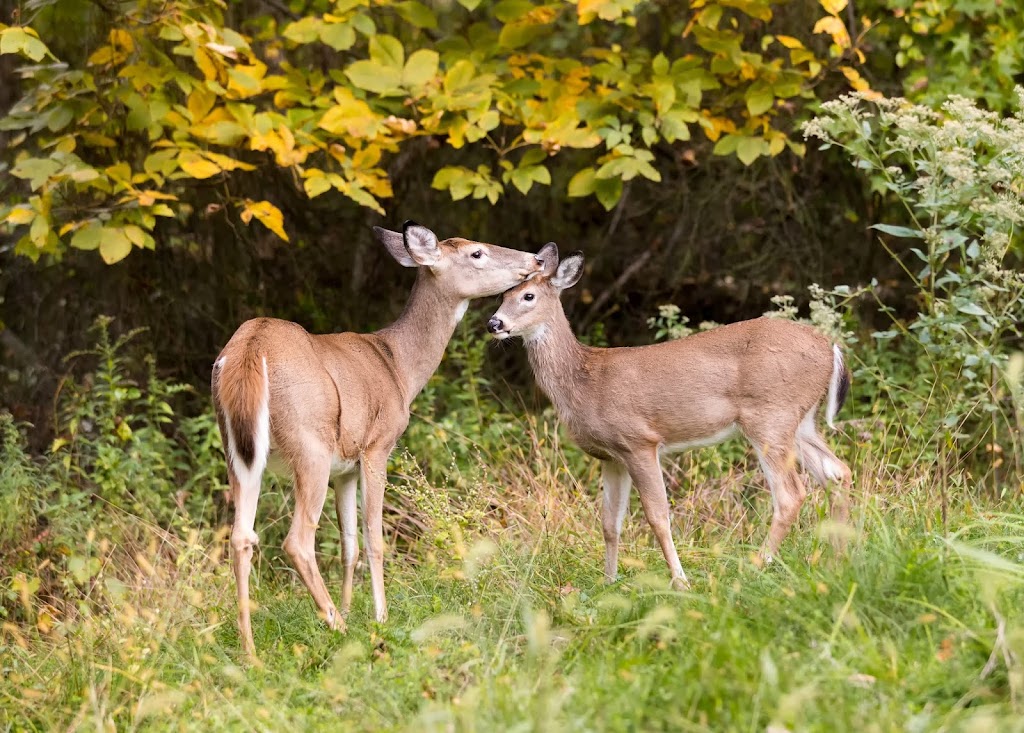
(478, 254)
(528, 296)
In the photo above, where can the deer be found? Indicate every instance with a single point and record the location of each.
(330, 408)
(630, 406)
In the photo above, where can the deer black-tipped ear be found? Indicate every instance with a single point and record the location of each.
(548, 257)
(421, 244)
(394, 243)
(569, 271)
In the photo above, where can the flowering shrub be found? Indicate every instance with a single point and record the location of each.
(957, 172)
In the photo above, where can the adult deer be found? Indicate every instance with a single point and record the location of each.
(763, 378)
(336, 404)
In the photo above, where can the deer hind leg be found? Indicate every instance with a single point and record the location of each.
(312, 475)
(246, 494)
(824, 467)
(616, 482)
(348, 522)
(645, 471)
(778, 462)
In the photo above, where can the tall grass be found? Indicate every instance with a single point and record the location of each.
(503, 623)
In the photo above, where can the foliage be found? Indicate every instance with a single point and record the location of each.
(181, 108)
(957, 174)
(948, 47)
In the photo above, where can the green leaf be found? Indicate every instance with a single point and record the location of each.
(515, 35)
(387, 51)
(420, 68)
(972, 309)
(749, 149)
(36, 170)
(339, 36)
(88, 237)
(114, 245)
(898, 231)
(759, 98)
(583, 183)
(470, 5)
(316, 185)
(19, 40)
(609, 191)
(374, 77)
(417, 13)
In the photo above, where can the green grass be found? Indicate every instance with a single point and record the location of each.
(915, 629)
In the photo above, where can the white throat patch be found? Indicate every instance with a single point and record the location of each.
(460, 312)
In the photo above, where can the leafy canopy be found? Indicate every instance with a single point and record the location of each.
(179, 99)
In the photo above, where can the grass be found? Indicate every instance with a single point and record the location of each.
(507, 625)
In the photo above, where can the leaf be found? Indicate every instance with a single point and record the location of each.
(339, 36)
(374, 77)
(20, 215)
(583, 183)
(759, 98)
(898, 231)
(36, 170)
(114, 245)
(88, 237)
(609, 191)
(387, 51)
(23, 41)
(417, 13)
(749, 149)
(268, 215)
(316, 185)
(420, 68)
(197, 166)
(972, 309)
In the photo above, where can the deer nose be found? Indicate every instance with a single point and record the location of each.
(495, 325)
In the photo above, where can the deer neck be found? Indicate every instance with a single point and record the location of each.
(559, 363)
(420, 335)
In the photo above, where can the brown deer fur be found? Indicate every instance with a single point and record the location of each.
(763, 378)
(336, 404)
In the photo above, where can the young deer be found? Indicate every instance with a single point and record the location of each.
(763, 378)
(336, 404)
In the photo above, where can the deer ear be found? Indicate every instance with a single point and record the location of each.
(395, 245)
(421, 244)
(548, 257)
(569, 271)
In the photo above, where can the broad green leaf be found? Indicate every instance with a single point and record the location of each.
(114, 244)
(583, 183)
(516, 35)
(387, 51)
(417, 13)
(508, 11)
(23, 41)
(749, 149)
(36, 170)
(303, 31)
(608, 192)
(316, 185)
(87, 238)
(470, 5)
(339, 36)
(374, 77)
(759, 98)
(420, 68)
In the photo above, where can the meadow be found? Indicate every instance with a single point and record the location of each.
(120, 614)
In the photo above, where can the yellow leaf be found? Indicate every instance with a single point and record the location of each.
(268, 214)
(789, 41)
(833, 7)
(122, 40)
(197, 166)
(856, 80)
(206, 63)
(228, 163)
(114, 245)
(20, 215)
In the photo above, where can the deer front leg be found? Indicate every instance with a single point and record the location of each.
(348, 523)
(645, 470)
(615, 480)
(373, 472)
